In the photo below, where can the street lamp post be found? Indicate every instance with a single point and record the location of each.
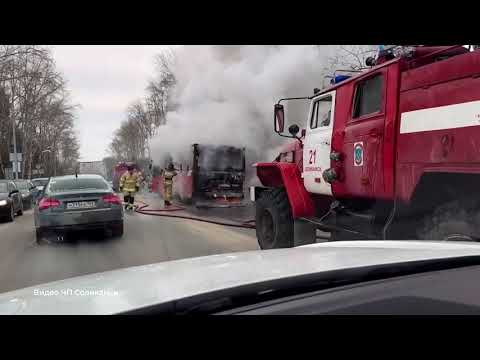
(45, 151)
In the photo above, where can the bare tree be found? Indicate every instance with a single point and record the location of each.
(159, 90)
(143, 117)
(35, 103)
(350, 57)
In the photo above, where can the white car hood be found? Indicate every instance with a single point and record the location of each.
(132, 288)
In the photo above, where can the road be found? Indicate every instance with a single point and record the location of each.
(147, 239)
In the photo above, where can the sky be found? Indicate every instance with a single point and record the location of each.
(103, 79)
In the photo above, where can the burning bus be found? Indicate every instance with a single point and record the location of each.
(212, 175)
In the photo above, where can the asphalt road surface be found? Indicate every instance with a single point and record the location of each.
(147, 239)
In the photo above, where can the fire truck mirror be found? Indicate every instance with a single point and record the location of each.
(293, 129)
(370, 61)
(279, 118)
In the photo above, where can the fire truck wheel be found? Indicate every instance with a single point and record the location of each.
(274, 221)
(449, 222)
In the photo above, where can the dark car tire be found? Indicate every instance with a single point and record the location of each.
(28, 205)
(274, 221)
(39, 236)
(20, 211)
(11, 216)
(117, 230)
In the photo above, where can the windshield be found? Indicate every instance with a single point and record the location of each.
(378, 160)
(21, 185)
(220, 159)
(321, 113)
(72, 184)
(40, 182)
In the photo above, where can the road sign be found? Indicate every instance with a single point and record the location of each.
(12, 156)
(17, 168)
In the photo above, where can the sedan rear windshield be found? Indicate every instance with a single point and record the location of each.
(22, 185)
(64, 185)
(40, 182)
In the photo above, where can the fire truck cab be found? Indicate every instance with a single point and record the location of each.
(392, 152)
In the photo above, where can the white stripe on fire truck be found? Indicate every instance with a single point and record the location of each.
(440, 118)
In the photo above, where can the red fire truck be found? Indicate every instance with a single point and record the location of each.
(392, 152)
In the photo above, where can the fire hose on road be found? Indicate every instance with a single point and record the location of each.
(164, 212)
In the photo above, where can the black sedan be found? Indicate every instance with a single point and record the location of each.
(10, 200)
(27, 191)
(77, 202)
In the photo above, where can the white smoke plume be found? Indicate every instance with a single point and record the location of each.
(225, 96)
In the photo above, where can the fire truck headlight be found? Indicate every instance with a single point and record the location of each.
(329, 175)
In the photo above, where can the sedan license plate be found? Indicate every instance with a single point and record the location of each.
(80, 205)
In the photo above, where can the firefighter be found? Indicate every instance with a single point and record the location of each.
(129, 185)
(168, 176)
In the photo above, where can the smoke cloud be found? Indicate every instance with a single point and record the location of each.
(225, 96)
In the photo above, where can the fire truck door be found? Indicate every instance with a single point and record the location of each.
(317, 145)
(363, 147)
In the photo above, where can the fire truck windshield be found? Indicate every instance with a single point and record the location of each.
(220, 159)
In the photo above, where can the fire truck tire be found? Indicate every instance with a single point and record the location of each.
(449, 222)
(274, 221)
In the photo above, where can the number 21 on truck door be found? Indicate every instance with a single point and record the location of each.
(317, 145)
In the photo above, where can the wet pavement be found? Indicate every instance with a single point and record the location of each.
(147, 239)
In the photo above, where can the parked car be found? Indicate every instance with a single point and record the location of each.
(10, 200)
(78, 202)
(27, 191)
(39, 185)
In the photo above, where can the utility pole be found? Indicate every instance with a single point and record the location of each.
(54, 159)
(47, 150)
(15, 163)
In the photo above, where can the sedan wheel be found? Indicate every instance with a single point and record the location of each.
(20, 211)
(39, 236)
(11, 217)
(117, 230)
